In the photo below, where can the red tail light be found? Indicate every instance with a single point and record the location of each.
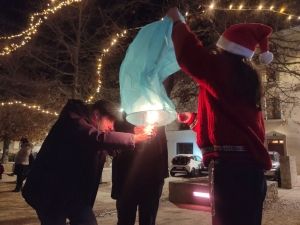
(172, 161)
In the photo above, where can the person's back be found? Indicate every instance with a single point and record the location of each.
(146, 164)
(225, 110)
(229, 124)
(22, 156)
(138, 177)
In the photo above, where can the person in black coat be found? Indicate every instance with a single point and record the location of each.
(138, 175)
(138, 178)
(64, 180)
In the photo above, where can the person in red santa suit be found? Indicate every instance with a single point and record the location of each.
(229, 123)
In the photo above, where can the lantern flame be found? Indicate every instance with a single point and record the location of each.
(152, 117)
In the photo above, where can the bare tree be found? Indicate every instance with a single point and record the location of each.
(60, 62)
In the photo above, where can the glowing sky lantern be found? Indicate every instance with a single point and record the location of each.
(149, 60)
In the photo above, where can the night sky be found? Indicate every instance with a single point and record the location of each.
(14, 15)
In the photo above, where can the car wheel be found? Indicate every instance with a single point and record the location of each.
(193, 172)
(172, 174)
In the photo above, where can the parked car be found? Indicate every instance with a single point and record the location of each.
(203, 168)
(187, 164)
(275, 171)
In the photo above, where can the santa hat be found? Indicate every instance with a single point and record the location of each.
(242, 39)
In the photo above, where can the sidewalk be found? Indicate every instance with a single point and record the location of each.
(15, 211)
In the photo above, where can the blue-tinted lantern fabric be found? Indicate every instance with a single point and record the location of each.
(149, 60)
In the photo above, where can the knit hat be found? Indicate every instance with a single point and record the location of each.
(242, 39)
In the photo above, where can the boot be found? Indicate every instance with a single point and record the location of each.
(17, 189)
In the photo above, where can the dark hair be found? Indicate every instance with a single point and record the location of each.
(245, 79)
(107, 108)
(24, 140)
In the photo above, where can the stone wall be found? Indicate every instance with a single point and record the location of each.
(288, 171)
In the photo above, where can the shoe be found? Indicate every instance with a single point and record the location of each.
(17, 189)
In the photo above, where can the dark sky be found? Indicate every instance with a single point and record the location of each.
(14, 15)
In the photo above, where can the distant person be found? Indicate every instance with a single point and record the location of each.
(22, 163)
(1, 170)
(229, 124)
(64, 180)
(138, 177)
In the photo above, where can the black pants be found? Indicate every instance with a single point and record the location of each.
(146, 199)
(21, 171)
(237, 193)
(85, 217)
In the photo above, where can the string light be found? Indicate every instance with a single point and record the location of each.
(260, 8)
(212, 6)
(35, 21)
(105, 51)
(33, 107)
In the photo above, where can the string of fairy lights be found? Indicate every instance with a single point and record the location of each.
(35, 21)
(38, 18)
(113, 41)
(32, 107)
(210, 7)
(241, 7)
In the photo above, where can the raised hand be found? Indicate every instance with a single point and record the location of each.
(184, 117)
(142, 134)
(173, 14)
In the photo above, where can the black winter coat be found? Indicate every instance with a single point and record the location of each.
(146, 166)
(68, 167)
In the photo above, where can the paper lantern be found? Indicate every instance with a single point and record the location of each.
(149, 60)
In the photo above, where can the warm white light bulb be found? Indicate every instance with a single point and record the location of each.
(152, 117)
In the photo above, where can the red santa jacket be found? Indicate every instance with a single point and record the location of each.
(223, 119)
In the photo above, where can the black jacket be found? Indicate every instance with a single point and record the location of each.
(68, 167)
(143, 167)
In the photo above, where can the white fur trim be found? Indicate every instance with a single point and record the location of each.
(266, 58)
(234, 48)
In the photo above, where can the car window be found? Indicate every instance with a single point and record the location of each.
(199, 158)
